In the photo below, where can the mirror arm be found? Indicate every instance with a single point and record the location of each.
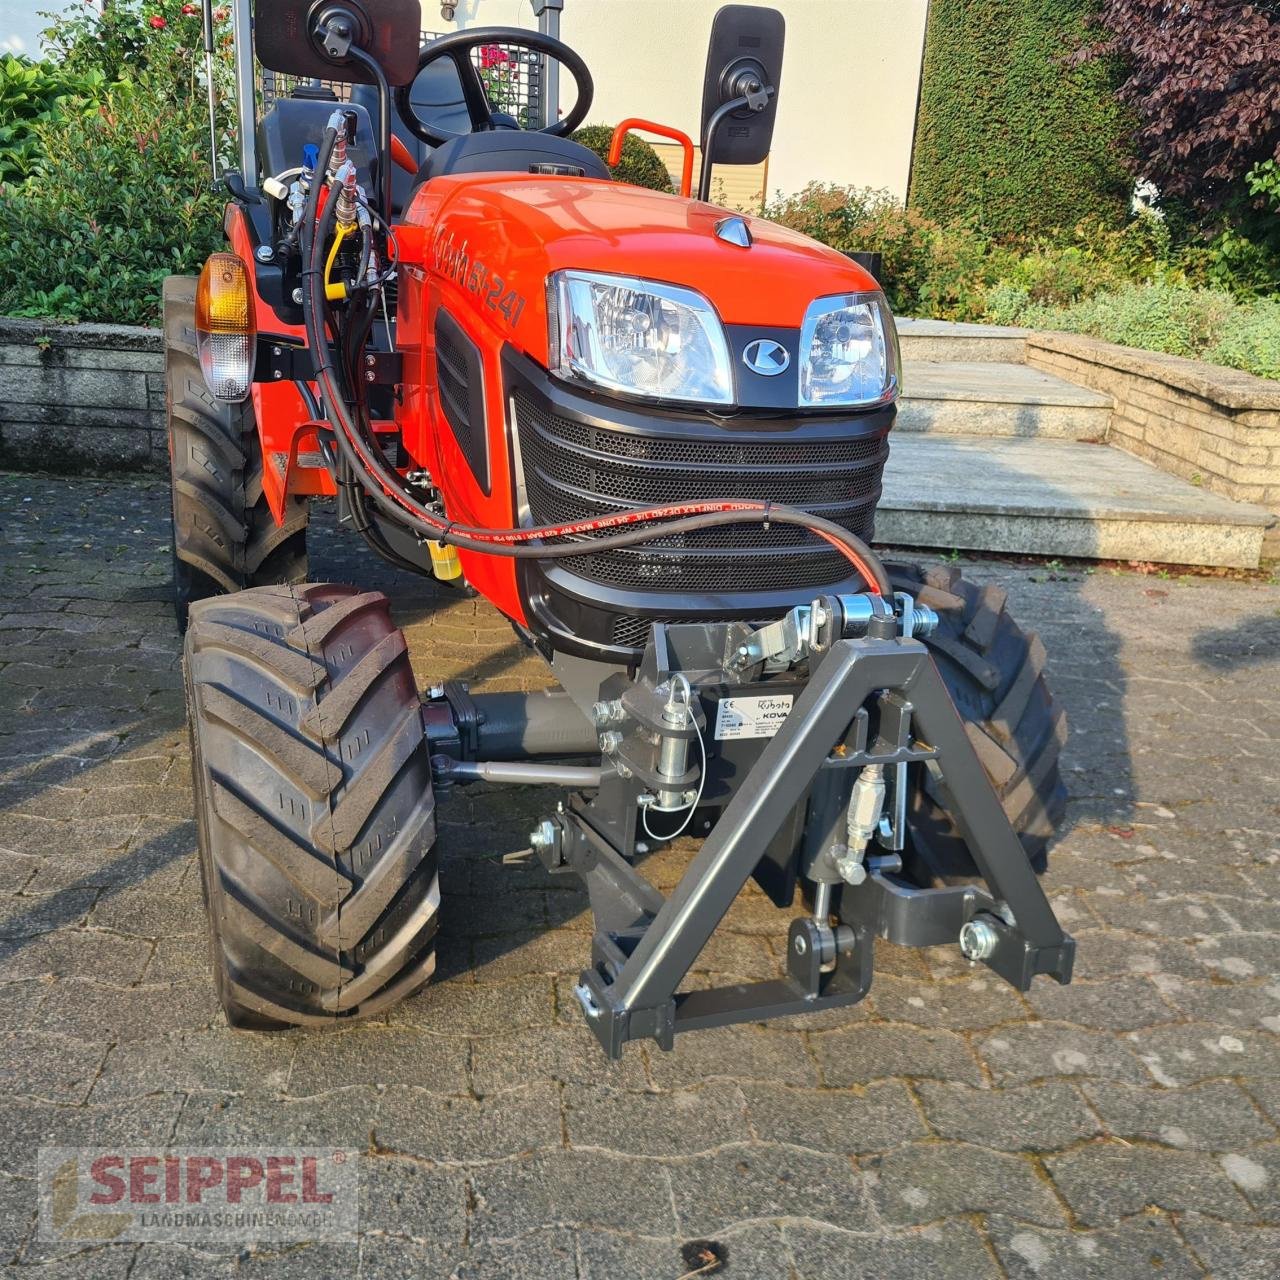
(756, 98)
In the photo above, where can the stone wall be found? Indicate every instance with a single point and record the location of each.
(1215, 427)
(77, 397)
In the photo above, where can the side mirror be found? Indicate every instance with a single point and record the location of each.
(311, 39)
(740, 88)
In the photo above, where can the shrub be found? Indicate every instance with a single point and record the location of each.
(1011, 137)
(639, 164)
(123, 197)
(853, 219)
(33, 94)
(1250, 339)
(1161, 316)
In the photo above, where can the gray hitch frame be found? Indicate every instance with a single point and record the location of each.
(824, 797)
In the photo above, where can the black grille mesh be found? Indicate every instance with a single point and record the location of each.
(573, 470)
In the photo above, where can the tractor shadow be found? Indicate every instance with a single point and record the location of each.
(1250, 642)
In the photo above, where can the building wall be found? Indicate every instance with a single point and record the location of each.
(850, 78)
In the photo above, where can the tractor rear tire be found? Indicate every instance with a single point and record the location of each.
(994, 672)
(225, 537)
(315, 814)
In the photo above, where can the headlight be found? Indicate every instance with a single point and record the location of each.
(848, 351)
(638, 337)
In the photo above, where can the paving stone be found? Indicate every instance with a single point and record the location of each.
(969, 1002)
(1265, 1091)
(1198, 1051)
(1174, 917)
(1114, 954)
(17, 1214)
(1254, 1005)
(878, 1051)
(212, 1061)
(20, 1003)
(111, 1262)
(926, 1181)
(478, 1009)
(877, 1118)
(751, 1249)
(29, 915)
(1238, 957)
(49, 1068)
(566, 1053)
(76, 1008)
(378, 1055)
(1039, 1050)
(161, 1261)
(318, 1261)
(76, 953)
(679, 1123)
(1217, 1116)
(1121, 1004)
(343, 1118)
(1042, 1117)
(1231, 1250)
(712, 1192)
(406, 1197)
(1106, 1181)
(441, 1128)
(733, 1053)
(28, 1125)
(1256, 1173)
(583, 1188)
(1141, 1246)
(946, 1251)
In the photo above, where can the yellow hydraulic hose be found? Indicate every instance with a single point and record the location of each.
(336, 292)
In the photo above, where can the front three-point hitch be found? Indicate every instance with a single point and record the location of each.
(793, 749)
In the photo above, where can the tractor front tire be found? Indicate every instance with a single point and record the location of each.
(315, 815)
(994, 672)
(225, 537)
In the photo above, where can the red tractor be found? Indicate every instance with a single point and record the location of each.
(648, 430)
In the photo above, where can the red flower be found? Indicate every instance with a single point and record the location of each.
(189, 10)
(491, 56)
(158, 23)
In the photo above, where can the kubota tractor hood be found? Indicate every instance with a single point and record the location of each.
(520, 228)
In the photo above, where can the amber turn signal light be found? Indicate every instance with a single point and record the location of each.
(226, 330)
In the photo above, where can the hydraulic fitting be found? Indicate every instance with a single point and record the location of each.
(865, 806)
(347, 209)
(673, 755)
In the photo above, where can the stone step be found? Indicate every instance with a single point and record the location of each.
(929, 340)
(1057, 498)
(987, 398)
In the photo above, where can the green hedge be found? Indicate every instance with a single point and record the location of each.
(1012, 136)
(639, 163)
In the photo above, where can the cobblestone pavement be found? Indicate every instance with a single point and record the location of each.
(1124, 1126)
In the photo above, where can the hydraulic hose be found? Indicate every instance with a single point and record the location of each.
(388, 493)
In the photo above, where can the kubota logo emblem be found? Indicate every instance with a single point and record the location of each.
(766, 357)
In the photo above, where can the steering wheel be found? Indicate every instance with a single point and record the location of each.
(457, 48)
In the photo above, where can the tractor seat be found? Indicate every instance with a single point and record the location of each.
(511, 151)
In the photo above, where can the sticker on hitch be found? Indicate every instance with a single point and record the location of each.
(756, 717)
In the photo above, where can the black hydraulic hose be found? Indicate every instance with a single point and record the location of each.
(384, 127)
(381, 482)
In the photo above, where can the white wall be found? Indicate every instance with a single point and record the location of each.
(21, 23)
(851, 73)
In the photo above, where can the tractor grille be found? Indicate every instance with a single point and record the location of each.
(574, 470)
